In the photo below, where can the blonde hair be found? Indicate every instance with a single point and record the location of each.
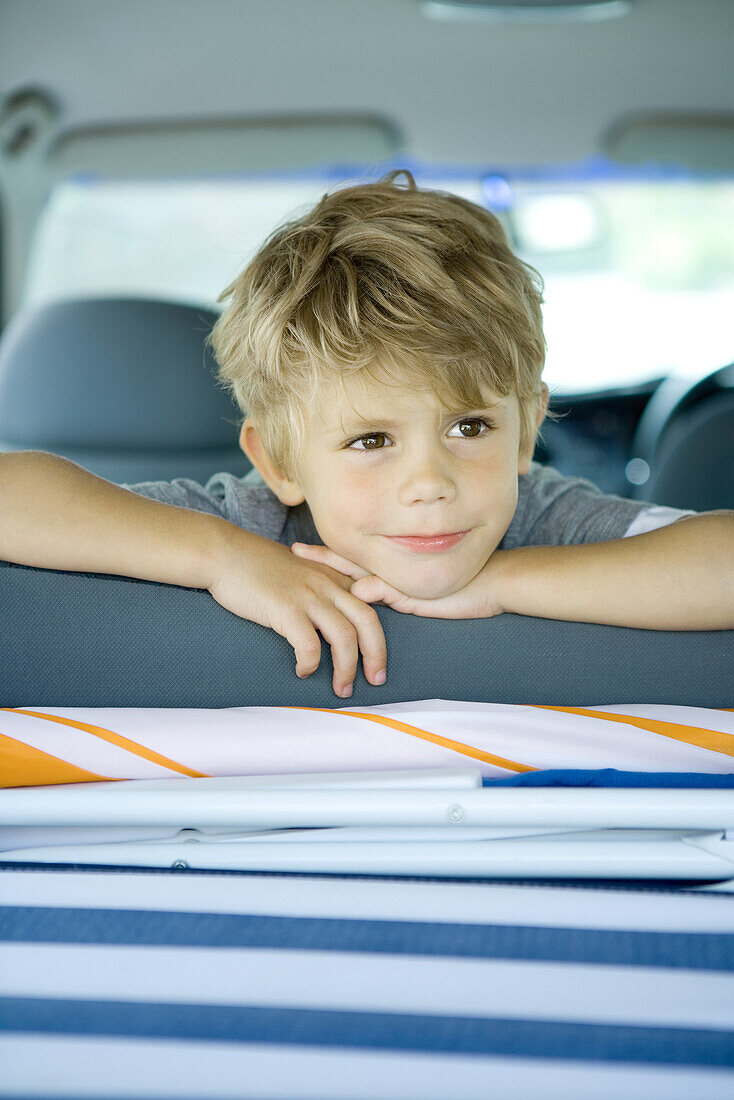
(420, 280)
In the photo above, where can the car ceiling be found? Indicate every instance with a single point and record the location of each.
(456, 92)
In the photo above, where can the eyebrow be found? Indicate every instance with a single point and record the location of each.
(357, 421)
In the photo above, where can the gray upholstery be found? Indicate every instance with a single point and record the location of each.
(75, 639)
(124, 387)
(686, 436)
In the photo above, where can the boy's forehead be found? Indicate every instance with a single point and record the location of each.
(347, 402)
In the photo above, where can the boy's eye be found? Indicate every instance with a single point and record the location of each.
(367, 440)
(473, 422)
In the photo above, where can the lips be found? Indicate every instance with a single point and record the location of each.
(428, 544)
(441, 535)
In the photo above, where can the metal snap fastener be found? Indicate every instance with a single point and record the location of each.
(455, 812)
(179, 865)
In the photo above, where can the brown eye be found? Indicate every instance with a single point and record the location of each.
(476, 424)
(366, 438)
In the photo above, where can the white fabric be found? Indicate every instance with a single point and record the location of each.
(368, 982)
(499, 739)
(653, 518)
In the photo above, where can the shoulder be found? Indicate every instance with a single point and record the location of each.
(249, 503)
(556, 510)
(245, 501)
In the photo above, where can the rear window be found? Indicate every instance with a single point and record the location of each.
(638, 265)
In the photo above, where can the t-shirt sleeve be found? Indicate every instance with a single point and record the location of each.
(244, 502)
(182, 492)
(555, 510)
(654, 516)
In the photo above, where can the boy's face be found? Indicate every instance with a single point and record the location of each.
(393, 463)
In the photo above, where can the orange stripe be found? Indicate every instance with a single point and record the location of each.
(714, 740)
(114, 739)
(23, 766)
(457, 746)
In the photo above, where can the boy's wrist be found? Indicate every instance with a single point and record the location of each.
(216, 544)
(500, 574)
(522, 582)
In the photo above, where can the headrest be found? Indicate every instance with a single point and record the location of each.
(125, 387)
(686, 438)
(694, 461)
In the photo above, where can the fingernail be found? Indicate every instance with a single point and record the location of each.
(381, 676)
(347, 691)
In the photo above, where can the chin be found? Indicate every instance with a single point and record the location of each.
(428, 588)
(428, 593)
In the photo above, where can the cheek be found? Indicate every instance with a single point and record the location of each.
(494, 487)
(357, 495)
(349, 506)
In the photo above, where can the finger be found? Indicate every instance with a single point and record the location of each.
(369, 589)
(370, 636)
(374, 590)
(457, 606)
(301, 634)
(325, 556)
(341, 635)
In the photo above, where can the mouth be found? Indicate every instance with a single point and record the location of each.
(428, 544)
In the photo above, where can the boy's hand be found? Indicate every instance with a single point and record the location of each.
(479, 599)
(262, 581)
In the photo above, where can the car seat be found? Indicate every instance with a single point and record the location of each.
(124, 387)
(686, 439)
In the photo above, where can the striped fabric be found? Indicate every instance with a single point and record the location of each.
(295, 987)
(40, 745)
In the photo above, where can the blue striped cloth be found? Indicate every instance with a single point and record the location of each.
(171, 985)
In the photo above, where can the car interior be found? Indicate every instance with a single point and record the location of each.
(125, 212)
(183, 931)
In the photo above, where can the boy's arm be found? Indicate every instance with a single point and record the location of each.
(679, 577)
(56, 515)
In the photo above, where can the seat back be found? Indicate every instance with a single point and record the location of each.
(91, 640)
(124, 387)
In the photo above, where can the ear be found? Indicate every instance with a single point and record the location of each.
(526, 457)
(287, 492)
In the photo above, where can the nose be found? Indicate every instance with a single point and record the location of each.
(426, 478)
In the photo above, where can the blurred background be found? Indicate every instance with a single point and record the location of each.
(147, 148)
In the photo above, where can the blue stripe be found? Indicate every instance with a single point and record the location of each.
(681, 950)
(613, 777)
(385, 1031)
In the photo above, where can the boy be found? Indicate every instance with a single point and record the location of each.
(387, 350)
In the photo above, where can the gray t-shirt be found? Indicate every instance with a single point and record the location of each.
(552, 510)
